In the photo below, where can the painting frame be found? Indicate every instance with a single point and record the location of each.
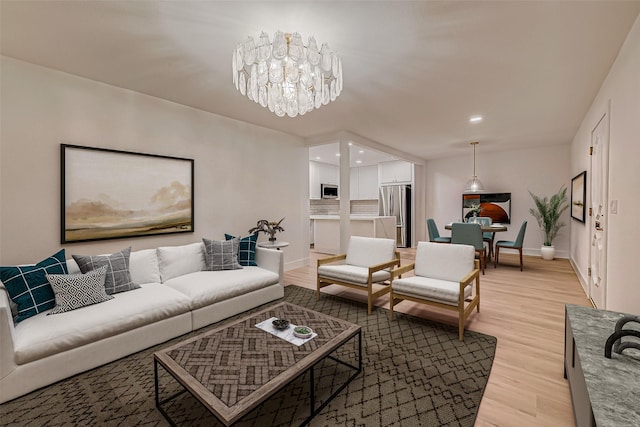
(114, 194)
(496, 206)
(579, 196)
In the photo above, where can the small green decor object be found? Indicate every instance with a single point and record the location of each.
(302, 331)
(268, 227)
(548, 211)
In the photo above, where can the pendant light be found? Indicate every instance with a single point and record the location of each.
(474, 185)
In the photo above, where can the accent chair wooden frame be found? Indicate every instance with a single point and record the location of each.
(464, 310)
(371, 294)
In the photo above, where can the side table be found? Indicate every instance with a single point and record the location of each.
(273, 245)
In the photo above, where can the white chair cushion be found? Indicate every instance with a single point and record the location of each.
(177, 261)
(352, 273)
(370, 251)
(437, 290)
(444, 261)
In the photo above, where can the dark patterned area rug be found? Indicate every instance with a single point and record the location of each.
(416, 373)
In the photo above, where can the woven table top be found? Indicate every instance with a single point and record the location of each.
(234, 368)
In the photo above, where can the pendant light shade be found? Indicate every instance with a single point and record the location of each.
(474, 185)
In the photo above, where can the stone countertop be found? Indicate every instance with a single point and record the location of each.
(353, 217)
(613, 384)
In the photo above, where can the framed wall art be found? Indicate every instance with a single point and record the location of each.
(578, 196)
(497, 206)
(111, 194)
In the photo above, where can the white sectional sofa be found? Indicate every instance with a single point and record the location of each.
(175, 297)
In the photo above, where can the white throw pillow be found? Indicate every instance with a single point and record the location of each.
(143, 266)
(177, 261)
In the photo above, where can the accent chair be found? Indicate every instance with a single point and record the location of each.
(366, 266)
(444, 276)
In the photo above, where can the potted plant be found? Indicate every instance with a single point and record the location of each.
(268, 227)
(547, 212)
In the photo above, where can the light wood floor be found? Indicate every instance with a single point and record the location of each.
(525, 311)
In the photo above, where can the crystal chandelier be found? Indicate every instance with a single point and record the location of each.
(474, 185)
(287, 76)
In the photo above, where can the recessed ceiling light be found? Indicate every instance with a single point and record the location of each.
(350, 144)
(337, 154)
(475, 119)
(317, 157)
(361, 151)
(358, 161)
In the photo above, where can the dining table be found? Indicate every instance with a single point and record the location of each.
(489, 228)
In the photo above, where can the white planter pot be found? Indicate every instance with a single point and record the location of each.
(547, 252)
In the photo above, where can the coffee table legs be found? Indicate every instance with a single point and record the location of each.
(358, 369)
(313, 410)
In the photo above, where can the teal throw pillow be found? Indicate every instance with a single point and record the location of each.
(247, 250)
(28, 286)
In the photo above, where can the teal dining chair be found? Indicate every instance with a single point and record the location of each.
(434, 235)
(470, 234)
(487, 236)
(508, 244)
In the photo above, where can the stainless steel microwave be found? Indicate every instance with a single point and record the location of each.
(329, 191)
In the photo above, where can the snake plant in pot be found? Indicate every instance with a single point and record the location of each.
(547, 212)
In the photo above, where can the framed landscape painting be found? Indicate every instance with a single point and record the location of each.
(111, 194)
(578, 196)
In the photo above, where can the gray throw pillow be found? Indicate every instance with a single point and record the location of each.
(118, 278)
(221, 254)
(73, 291)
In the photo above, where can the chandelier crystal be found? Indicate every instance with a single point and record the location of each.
(285, 75)
(474, 185)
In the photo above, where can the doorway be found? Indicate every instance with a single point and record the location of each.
(599, 212)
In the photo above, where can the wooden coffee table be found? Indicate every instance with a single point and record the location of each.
(234, 368)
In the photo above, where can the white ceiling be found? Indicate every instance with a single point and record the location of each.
(414, 72)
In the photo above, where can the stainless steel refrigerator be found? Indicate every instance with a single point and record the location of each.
(395, 200)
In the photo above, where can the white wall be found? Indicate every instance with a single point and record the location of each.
(621, 89)
(541, 170)
(242, 172)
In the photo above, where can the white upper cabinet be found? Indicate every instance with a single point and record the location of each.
(364, 183)
(395, 171)
(321, 173)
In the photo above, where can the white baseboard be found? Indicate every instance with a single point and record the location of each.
(584, 281)
(292, 265)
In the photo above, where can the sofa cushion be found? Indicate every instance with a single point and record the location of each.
(205, 287)
(143, 266)
(28, 286)
(247, 249)
(118, 278)
(221, 254)
(43, 335)
(73, 291)
(430, 289)
(177, 261)
(352, 273)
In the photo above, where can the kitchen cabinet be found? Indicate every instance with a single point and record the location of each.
(321, 173)
(327, 230)
(364, 183)
(395, 171)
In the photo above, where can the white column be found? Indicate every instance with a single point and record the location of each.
(345, 196)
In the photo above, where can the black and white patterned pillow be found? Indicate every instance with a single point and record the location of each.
(118, 278)
(221, 254)
(73, 291)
